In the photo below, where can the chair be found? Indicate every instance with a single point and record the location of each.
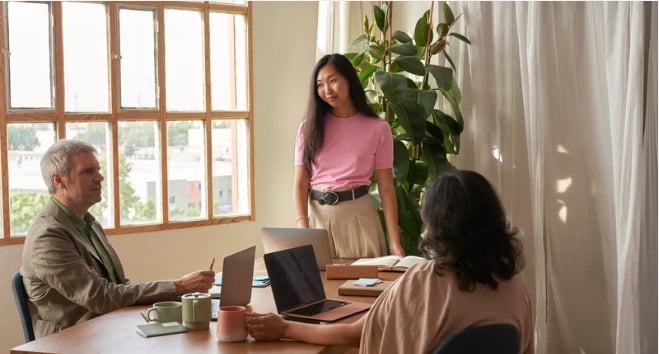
(20, 296)
(490, 339)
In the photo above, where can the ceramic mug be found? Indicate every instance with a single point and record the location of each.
(164, 311)
(231, 324)
(196, 310)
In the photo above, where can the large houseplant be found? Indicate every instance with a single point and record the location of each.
(420, 100)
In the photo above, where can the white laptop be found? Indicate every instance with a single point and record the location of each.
(236, 280)
(283, 238)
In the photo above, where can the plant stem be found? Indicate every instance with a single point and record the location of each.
(427, 51)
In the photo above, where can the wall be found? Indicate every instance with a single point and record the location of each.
(283, 56)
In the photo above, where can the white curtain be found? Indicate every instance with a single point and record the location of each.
(560, 106)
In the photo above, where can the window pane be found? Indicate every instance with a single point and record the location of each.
(138, 58)
(26, 144)
(97, 134)
(228, 62)
(139, 173)
(185, 170)
(84, 29)
(230, 172)
(184, 60)
(29, 58)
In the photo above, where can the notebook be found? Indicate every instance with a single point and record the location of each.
(237, 273)
(298, 288)
(282, 238)
(160, 329)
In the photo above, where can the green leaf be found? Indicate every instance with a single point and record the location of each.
(450, 61)
(401, 161)
(401, 37)
(418, 174)
(435, 157)
(451, 123)
(411, 64)
(379, 15)
(453, 96)
(421, 30)
(443, 76)
(350, 56)
(359, 39)
(442, 29)
(448, 15)
(367, 70)
(460, 37)
(376, 51)
(357, 59)
(446, 133)
(404, 49)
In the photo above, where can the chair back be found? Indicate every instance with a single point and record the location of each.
(20, 296)
(489, 339)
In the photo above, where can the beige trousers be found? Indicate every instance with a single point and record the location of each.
(353, 226)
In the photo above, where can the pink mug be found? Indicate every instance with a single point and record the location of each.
(231, 324)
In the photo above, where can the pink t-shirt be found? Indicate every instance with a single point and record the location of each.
(352, 149)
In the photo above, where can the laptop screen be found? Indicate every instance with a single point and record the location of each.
(294, 277)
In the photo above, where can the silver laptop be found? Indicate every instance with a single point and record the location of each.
(283, 238)
(236, 280)
(298, 288)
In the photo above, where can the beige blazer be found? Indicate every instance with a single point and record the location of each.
(65, 280)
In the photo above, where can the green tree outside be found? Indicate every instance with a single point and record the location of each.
(21, 137)
(24, 209)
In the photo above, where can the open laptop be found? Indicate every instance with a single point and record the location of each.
(298, 288)
(282, 238)
(237, 273)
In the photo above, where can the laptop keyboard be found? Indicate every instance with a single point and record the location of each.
(314, 309)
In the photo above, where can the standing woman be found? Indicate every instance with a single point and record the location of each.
(339, 144)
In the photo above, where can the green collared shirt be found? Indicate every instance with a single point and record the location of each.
(85, 227)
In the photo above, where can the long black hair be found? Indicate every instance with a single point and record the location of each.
(467, 231)
(314, 121)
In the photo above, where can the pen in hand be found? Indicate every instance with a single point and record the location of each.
(212, 263)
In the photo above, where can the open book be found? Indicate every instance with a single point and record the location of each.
(390, 263)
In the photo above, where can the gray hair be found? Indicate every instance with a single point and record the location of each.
(57, 159)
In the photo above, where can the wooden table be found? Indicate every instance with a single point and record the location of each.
(115, 332)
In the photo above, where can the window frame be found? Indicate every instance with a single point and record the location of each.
(59, 117)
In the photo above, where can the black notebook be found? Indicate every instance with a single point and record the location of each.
(160, 329)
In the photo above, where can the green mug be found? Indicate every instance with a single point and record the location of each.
(164, 311)
(196, 310)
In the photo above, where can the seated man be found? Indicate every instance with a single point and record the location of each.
(70, 270)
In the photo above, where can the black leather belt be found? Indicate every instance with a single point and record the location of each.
(333, 198)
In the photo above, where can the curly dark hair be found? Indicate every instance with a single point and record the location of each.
(313, 130)
(467, 232)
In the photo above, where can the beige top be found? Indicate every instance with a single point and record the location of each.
(422, 308)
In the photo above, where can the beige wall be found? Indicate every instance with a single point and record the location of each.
(284, 36)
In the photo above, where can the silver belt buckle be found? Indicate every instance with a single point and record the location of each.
(330, 198)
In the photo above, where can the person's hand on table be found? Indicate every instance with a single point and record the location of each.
(266, 327)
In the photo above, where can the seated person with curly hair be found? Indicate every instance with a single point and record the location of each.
(472, 278)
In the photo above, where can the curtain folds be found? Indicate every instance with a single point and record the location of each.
(560, 107)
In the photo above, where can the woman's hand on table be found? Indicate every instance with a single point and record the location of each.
(267, 327)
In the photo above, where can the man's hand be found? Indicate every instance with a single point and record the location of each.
(266, 327)
(199, 281)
